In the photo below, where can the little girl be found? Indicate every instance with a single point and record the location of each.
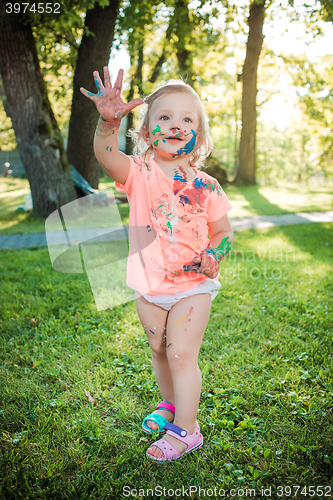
(179, 232)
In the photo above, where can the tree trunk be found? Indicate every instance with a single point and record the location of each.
(246, 174)
(93, 54)
(161, 60)
(37, 133)
(183, 31)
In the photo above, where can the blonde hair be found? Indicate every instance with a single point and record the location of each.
(204, 143)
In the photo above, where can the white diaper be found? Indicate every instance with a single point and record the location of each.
(169, 300)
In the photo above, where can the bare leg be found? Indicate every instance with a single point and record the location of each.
(153, 320)
(186, 324)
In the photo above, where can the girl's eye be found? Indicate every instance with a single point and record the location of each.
(164, 117)
(187, 120)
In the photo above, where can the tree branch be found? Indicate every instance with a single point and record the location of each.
(268, 98)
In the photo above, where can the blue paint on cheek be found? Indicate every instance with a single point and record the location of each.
(188, 146)
(191, 143)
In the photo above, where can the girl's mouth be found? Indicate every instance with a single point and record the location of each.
(174, 139)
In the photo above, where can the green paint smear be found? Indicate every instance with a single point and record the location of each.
(156, 129)
(169, 226)
(222, 250)
(156, 143)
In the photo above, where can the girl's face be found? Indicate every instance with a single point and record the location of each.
(173, 124)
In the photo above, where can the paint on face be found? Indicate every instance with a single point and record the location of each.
(176, 132)
(169, 345)
(185, 318)
(149, 228)
(109, 148)
(156, 129)
(177, 356)
(156, 143)
(151, 331)
(189, 146)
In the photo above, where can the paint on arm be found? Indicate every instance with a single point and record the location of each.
(221, 251)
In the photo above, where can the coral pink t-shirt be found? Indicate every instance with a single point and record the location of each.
(168, 225)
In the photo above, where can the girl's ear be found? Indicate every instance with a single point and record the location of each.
(145, 136)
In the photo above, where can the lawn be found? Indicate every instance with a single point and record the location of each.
(247, 201)
(76, 383)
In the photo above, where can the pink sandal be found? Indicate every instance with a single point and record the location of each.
(193, 442)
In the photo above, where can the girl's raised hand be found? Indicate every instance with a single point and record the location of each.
(108, 99)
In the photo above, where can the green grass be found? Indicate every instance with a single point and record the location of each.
(266, 358)
(247, 201)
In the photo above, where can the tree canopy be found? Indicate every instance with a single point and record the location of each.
(203, 43)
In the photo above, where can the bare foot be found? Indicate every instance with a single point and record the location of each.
(168, 415)
(154, 451)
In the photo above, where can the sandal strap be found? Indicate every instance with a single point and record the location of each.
(182, 435)
(158, 419)
(176, 430)
(166, 406)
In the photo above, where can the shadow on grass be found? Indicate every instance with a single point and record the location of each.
(259, 203)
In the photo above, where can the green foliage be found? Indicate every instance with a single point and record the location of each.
(7, 135)
(327, 10)
(315, 91)
(75, 384)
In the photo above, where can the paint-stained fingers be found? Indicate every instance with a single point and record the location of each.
(211, 271)
(88, 94)
(119, 81)
(98, 81)
(209, 266)
(107, 78)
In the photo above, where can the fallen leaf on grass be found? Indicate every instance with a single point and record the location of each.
(90, 398)
(33, 322)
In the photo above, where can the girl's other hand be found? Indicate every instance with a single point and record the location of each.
(208, 265)
(108, 99)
